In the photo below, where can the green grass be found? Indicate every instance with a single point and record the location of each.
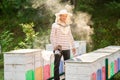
(1, 74)
(116, 76)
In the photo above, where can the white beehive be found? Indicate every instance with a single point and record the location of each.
(82, 67)
(79, 45)
(82, 46)
(49, 47)
(46, 55)
(113, 64)
(113, 53)
(115, 48)
(112, 58)
(18, 63)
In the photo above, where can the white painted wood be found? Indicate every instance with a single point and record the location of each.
(18, 62)
(86, 64)
(22, 56)
(78, 77)
(79, 45)
(18, 68)
(82, 46)
(14, 76)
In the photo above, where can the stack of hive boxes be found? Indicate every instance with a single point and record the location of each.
(27, 64)
(117, 56)
(113, 58)
(82, 67)
(92, 66)
(113, 66)
(19, 64)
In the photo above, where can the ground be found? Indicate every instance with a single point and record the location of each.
(1, 74)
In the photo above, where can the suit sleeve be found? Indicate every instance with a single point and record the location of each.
(71, 39)
(53, 36)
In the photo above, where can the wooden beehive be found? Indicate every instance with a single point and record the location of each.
(82, 67)
(112, 58)
(47, 55)
(92, 66)
(19, 64)
(79, 45)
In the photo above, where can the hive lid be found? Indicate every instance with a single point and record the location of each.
(113, 47)
(106, 50)
(88, 58)
(20, 51)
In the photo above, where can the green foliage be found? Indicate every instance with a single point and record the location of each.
(10, 6)
(6, 40)
(1, 63)
(84, 6)
(102, 35)
(16, 12)
(6, 43)
(113, 8)
(33, 39)
(1, 74)
(105, 16)
(30, 36)
(13, 13)
(118, 24)
(1, 60)
(42, 39)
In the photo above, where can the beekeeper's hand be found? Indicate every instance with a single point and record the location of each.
(73, 51)
(58, 47)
